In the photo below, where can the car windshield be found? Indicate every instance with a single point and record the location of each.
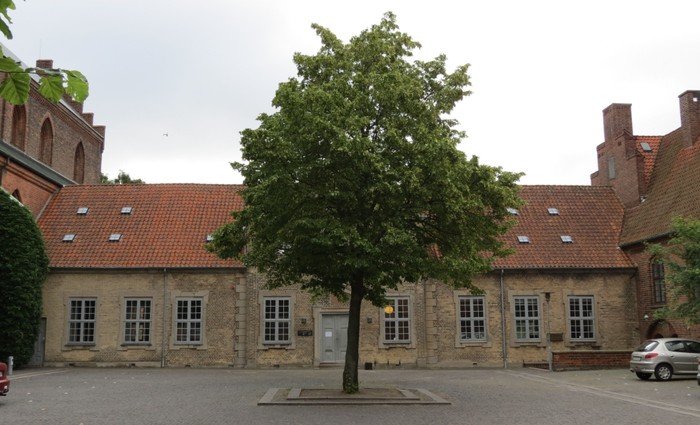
(647, 346)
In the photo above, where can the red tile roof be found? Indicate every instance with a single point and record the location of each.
(649, 157)
(674, 190)
(591, 215)
(168, 225)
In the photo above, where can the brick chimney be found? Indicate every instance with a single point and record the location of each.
(690, 116)
(617, 118)
(44, 63)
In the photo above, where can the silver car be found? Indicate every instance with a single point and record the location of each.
(664, 357)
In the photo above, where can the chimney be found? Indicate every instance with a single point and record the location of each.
(690, 116)
(44, 63)
(617, 118)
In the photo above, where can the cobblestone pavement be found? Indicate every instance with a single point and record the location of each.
(226, 396)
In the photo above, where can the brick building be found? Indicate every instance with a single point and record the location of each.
(45, 146)
(657, 178)
(131, 283)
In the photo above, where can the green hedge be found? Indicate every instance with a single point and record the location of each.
(23, 269)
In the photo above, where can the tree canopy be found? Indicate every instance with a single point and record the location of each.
(23, 269)
(356, 183)
(122, 178)
(682, 256)
(54, 83)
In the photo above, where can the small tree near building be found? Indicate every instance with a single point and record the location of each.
(682, 256)
(23, 269)
(355, 184)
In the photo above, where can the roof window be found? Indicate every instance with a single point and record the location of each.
(567, 239)
(82, 211)
(69, 237)
(553, 211)
(126, 210)
(512, 211)
(523, 239)
(645, 146)
(210, 238)
(115, 237)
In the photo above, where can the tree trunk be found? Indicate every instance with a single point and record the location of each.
(352, 355)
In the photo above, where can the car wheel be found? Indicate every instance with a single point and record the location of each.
(643, 376)
(663, 372)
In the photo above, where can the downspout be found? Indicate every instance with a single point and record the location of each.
(165, 299)
(504, 345)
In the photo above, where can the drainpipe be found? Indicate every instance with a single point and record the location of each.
(165, 299)
(504, 345)
(548, 297)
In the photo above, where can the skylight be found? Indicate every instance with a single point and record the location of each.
(512, 211)
(645, 147)
(523, 239)
(126, 210)
(115, 237)
(567, 239)
(69, 237)
(553, 211)
(82, 211)
(210, 238)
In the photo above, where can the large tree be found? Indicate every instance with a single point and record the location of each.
(23, 268)
(356, 183)
(682, 256)
(54, 83)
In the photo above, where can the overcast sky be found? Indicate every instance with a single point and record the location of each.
(202, 71)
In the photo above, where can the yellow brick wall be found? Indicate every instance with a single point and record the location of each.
(109, 288)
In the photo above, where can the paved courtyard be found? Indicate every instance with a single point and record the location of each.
(217, 396)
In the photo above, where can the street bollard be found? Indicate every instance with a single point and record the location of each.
(10, 365)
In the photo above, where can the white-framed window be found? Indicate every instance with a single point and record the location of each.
(81, 321)
(397, 320)
(188, 321)
(527, 318)
(277, 320)
(581, 318)
(472, 319)
(137, 321)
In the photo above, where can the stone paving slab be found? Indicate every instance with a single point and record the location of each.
(327, 396)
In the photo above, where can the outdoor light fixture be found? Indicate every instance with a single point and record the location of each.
(646, 317)
(369, 320)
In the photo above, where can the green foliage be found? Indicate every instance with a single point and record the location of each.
(356, 183)
(122, 178)
(358, 173)
(23, 269)
(682, 257)
(53, 83)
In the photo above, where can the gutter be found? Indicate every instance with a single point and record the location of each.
(650, 238)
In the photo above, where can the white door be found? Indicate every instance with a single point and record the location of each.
(334, 337)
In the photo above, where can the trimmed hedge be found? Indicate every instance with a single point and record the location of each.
(23, 269)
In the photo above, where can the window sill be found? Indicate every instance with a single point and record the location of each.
(76, 346)
(537, 343)
(180, 346)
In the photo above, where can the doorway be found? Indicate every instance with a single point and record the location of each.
(37, 359)
(334, 337)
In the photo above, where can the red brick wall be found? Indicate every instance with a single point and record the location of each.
(69, 129)
(629, 169)
(576, 360)
(34, 190)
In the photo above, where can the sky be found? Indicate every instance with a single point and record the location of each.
(201, 72)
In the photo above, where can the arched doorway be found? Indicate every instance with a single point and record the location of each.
(660, 329)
